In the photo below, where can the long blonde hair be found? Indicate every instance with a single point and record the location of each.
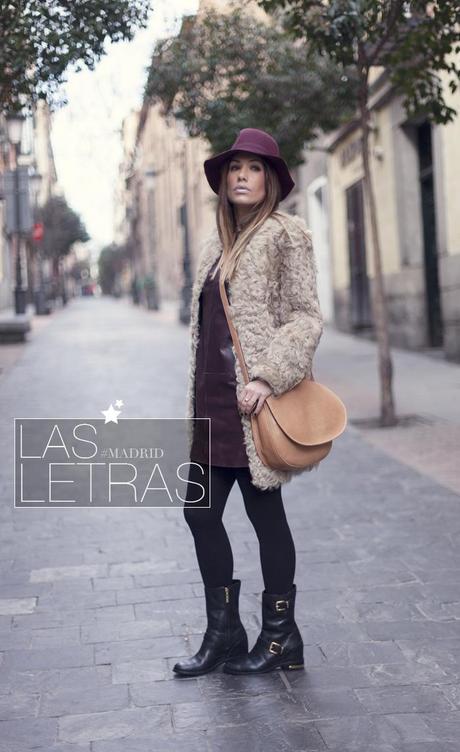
(232, 242)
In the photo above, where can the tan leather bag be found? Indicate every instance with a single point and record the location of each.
(295, 429)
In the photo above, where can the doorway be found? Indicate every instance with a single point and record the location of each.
(360, 308)
(430, 251)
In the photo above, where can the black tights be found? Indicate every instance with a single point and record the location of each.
(265, 510)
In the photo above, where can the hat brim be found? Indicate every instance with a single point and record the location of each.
(213, 167)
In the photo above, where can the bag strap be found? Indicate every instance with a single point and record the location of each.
(235, 338)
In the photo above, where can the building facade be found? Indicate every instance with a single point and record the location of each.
(36, 155)
(416, 181)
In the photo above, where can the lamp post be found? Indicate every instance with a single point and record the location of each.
(152, 292)
(186, 291)
(41, 307)
(14, 123)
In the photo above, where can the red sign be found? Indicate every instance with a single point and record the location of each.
(37, 232)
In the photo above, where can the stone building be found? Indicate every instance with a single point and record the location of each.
(416, 181)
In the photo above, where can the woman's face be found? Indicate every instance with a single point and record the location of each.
(245, 180)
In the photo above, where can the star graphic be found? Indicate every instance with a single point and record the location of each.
(119, 403)
(111, 415)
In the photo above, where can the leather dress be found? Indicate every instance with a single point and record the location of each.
(215, 385)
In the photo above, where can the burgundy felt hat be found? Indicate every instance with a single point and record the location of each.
(254, 141)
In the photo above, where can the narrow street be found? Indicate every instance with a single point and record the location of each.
(96, 605)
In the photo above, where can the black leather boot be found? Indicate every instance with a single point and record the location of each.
(225, 636)
(279, 644)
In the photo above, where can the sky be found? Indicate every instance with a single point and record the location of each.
(86, 132)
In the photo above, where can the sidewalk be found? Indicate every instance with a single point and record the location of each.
(11, 352)
(96, 605)
(426, 390)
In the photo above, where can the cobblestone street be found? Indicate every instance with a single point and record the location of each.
(96, 605)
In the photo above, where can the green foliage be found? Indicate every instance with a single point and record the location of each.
(415, 41)
(41, 38)
(80, 270)
(111, 262)
(62, 227)
(224, 72)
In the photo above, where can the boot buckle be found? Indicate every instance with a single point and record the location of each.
(279, 605)
(275, 648)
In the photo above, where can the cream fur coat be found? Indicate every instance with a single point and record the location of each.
(275, 310)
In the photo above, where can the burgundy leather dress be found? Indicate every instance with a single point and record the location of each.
(215, 386)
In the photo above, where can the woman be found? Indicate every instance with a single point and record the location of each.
(266, 260)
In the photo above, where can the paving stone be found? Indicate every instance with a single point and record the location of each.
(452, 692)
(261, 735)
(442, 746)
(410, 672)
(444, 726)
(143, 567)
(17, 606)
(74, 700)
(221, 685)
(77, 586)
(328, 703)
(362, 653)
(51, 638)
(360, 731)
(314, 634)
(71, 599)
(403, 699)
(127, 650)
(238, 711)
(15, 639)
(36, 681)
(329, 677)
(403, 630)
(369, 747)
(448, 592)
(169, 578)
(25, 590)
(370, 612)
(114, 724)
(58, 748)
(49, 574)
(156, 743)
(155, 594)
(406, 727)
(27, 733)
(18, 705)
(139, 671)
(105, 632)
(51, 618)
(113, 583)
(112, 613)
(433, 609)
(55, 657)
(402, 592)
(165, 692)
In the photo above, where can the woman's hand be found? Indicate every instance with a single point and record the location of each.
(253, 396)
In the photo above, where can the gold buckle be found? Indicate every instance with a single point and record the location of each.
(271, 648)
(277, 608)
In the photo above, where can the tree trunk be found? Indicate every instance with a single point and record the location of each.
(387, 409)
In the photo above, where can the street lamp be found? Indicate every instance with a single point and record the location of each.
(151, 283)
(41, 306)
(186, 291)
(14, 123)
(35, 181)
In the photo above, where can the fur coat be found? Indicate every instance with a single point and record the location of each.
(275, 310)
